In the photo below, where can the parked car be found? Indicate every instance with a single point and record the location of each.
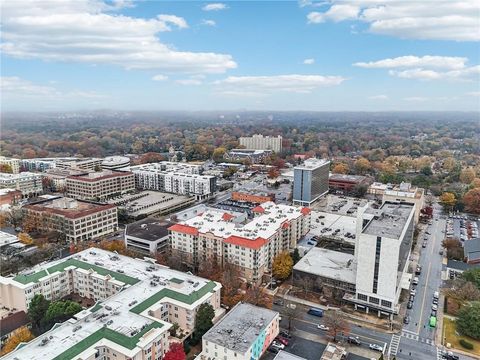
(410, 305)
(424, 244)
(285, 334)
(323, 327)
(278, 345)
(354, 340)
(315, 312)
(406, 319)
(413, 292)
(375, 347)
(415, 280)
(434, 307)
(278, 302)
(433, 313)
(282, 340)
(273, 349)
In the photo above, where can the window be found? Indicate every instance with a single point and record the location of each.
(387, 303)
(374, 300)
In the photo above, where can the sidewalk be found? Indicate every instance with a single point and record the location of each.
(364, 322)
(357, 350)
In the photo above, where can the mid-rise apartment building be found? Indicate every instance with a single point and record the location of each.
(249, 247)
(260, 142)
(100, 185)
(80, 163)
(310, 181)
(29, 184)
(13, 163)
(177, 178)
(137, 301)
(244, 333)
(38, 164)
(77, 220)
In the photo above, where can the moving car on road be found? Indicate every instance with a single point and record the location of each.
(375, 347)
(315, 312)
(323, 327)
(354, 340)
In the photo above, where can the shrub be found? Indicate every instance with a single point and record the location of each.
(466, 344)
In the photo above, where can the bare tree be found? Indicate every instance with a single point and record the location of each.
(336, 324)
(291, 312)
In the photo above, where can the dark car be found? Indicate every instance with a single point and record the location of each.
(354, 340)
(410, 305)
(278, 302)
(433, 313)
(285, 334)
(424, 245)
(273, 349)
(406, 320)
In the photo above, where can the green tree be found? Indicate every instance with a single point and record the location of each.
(36, 312)
(295, 256)
(282, 265)
(468, 320)
(203, 320)
(472, 275)
(426, 170)
(60, 311)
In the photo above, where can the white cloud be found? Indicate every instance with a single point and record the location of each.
(335, 13)
(214, 7)
(426, 67)
(209, 22)
(441, 62)
(284, 83)
(415, 19)
(309, 61)
(13, 86)
(378, 97)
(416, 99)
(467, 74)
(174, 20)
(160, 77)
(473, 93)
(83, 31)
(188, 82)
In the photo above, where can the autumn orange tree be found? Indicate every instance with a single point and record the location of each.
(472, 201)
(448, 200)
(282, 265)
(467, 175)
(24, 238)
(21, 335)
(340, 168)
(336, 324)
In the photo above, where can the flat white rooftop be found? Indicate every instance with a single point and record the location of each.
(7, 239)
(263, 226)
(329, 264)
(346, 225)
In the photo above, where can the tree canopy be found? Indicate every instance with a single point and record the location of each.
(282, 265)
(468, 320)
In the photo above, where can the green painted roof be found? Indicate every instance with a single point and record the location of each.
(176, 280)
(26, 279)
(109, 334)
(187, 299)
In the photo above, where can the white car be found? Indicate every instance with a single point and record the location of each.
(278, 345)
(434, 307)
(376, 347)
(323, 327)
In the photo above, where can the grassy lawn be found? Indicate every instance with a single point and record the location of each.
(454, 339)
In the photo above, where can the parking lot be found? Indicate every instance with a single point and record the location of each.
(310, 350)
(341, 205)
(462, 228)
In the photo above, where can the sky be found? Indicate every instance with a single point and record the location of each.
(351, 55)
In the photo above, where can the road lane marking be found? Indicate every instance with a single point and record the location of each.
(423, 301)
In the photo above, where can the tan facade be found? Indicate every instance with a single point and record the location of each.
(252, 197)
(79, 221)
(97, 186)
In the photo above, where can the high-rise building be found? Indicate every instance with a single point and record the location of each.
(310, 181)
(260, 142)
(382, 251)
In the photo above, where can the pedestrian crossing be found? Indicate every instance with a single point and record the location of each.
(413, 336)
(394, 344)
